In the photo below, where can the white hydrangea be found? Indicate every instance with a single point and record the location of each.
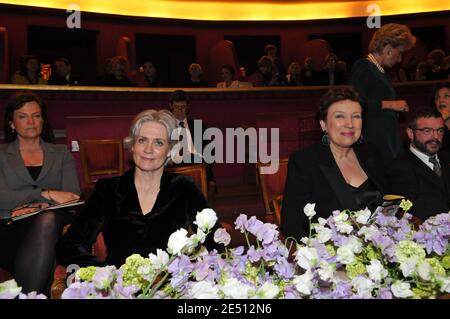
(408, 266)
(345, 255)
(355, 244)
(376, 270)
(326, 270)
(424, 270)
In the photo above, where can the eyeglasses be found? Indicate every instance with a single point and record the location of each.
(429, 130)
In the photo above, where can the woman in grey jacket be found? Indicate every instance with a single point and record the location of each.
(33, 172)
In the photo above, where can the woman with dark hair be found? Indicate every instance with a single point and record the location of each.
(30, 71)
(342, 172)
(371, 80)
(441, 101)
(33, 173)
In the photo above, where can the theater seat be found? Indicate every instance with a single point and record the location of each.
(197, 172)
(317, 49)
(223, 52)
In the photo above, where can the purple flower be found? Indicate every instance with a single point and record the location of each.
(434, 234)
(80, 290)
(284, 268)
(32, 295)
(181, 265)
(238, 251)
(241, 223)
(267, 233)
(343, 290)
(386, 244)
(222, 237)
(384, 293)
(254, 225)
(254, 254)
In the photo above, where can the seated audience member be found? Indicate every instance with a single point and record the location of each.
(179, 106)
(118, 76)
(309, 76)
(272, 52)
(422, 69)
(227, 73)
(195, 77)
(148, 77)
(30, 71)
(293, 76)
(138, 211)
(266, 74)
(33, 172)
(331, 74)
(342, 172)
(441, 102)
(436, 61)
(407, 71)
(422, 174)
(63, 73)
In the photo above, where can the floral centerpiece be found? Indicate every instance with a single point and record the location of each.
(348, 255)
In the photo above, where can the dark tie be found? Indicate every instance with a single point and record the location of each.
(181, 124)
(436, 166)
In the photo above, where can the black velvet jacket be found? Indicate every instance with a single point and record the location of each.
(314, 177)
(114, 210)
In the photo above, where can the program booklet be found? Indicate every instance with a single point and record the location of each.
(37, 209)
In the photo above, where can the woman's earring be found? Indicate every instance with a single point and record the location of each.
(360, 140)
(325, 139)
(13, 130)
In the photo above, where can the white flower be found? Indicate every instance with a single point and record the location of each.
(304, 283)
(355, 244)
(444, 283)
(342, 225)
(401, 289)
(234, 289)
(363, 216)
(376, 270)
(345, 254)
(304, 240)
(206, 219)
(309, 210)
(103, 277)
(424, 270)
(367, 232)
(160, 260)
(200, 236)
(177, 241)
(408, 266)
(267, 291)
(306, 257)
(323, 233)
(326, 270)
(9, 289)
(204, 290)
(322, 221)
(363, 286)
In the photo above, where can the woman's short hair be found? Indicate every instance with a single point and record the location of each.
(394, 34)
(229, 68)
(333, 96)
(15, 102)
(24, 61)
(265, 61)
(163, 117)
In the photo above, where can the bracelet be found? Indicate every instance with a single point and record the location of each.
(48, 194)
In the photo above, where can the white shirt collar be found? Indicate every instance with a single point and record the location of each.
(422, 156)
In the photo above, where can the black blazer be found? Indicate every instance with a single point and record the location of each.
(114, 209)
(429, 193)
(314, 177)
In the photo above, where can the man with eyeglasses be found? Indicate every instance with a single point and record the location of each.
(422, 173)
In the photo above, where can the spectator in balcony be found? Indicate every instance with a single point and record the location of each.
(271, 51)
(407, 71)
(370, 79)
(195, 77)
(421, 70)
(227, 73)
(436, 61)
(148, 77)
(33, 172)
(331, 74)
(342, 172)
(138, 211)
(293, 76)
(308, 74)
(63, 73)
(30, 71)
(118, 75)
(266, 74)
(441, 101)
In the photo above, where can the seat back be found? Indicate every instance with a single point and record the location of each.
(100, 158)
(198, 174)
(272, 185)
(223, 52)
(4, 61)
(317, 49)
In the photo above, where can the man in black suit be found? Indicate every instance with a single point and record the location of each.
(179, 106)
(422, 173)
(63, 73)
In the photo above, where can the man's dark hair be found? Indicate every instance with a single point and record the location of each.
(178, 95)
(422, 113)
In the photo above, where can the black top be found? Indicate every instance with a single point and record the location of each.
(446, 140)
(114, 210)
(380, 125)
(34, 171)
(366, 195)
(314, 177)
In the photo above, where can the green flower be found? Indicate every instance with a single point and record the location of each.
(405, 205)
(422, 292)
(251, 272)
(436, 266)
(406, 249)
(372, 253)
(355, 269)
(86, 273)
(130, 271)
(331, 250)
(445, 262)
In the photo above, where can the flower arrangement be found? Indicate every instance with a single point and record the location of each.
(348, 255)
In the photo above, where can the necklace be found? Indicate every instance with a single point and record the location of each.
(372, 59)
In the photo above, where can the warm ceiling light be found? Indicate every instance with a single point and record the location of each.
(223, 10)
